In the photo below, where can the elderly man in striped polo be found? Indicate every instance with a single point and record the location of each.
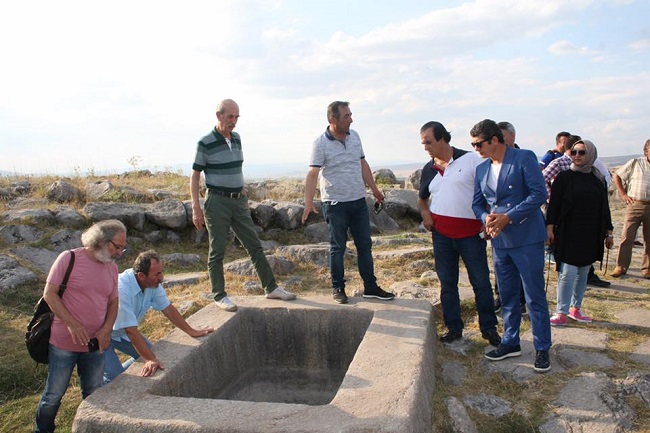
(219, 155)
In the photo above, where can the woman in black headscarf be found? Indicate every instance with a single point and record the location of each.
(577, 221)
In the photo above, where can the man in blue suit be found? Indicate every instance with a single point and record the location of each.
(508, 192)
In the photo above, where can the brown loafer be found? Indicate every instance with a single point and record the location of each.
(646, 275)
(618, 271)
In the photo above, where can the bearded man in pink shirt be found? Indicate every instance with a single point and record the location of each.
(83, 316)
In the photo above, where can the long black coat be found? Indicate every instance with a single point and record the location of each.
(579, 207)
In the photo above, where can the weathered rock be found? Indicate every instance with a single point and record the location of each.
(488, 404)
(288, 216)
(595, 409)
(97, 189)
(133, 194)
(262, 214)
(65, 239)
(173, 237)
(21, 187)
(13, 275)
(16, 234)
(318, 232)
(40, 258)
(410, 197)
(5, 194)
(29, 203)
(381, 221)
(63, 191)
(636, 384)
(460, 419)
(69, 217)
(169, 213)
(280, 266)
(316, 254)
(642, 353)
(454, 373)
(384, 176)
(132, 216)
(181, 260)
(30, 216)
(154, 237)
(413, 180)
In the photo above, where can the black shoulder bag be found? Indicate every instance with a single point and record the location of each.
(37, 337)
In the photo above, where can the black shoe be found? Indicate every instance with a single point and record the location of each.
(542, 361)
(493, 337)
(503, 352)
(340, 296)
(497, 305)
(378, 293)
(451, 336)
(594, 280)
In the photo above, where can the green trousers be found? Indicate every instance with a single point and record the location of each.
(222, 213)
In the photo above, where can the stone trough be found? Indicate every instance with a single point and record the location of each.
(304, 366)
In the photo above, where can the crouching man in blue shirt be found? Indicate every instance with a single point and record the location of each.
(140, 288)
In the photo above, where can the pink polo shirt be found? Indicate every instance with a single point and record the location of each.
(91, 285)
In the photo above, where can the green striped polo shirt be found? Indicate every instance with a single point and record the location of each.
(221, 165)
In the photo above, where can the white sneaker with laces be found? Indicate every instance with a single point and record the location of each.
(280, 293)
(226, 304)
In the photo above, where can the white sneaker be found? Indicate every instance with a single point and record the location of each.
(280, 293)
(226, 304)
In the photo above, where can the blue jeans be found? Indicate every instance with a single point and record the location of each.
(523, 264)
(112, 365)
(472, 250)
(571, 286)
(352, 215)
(90, 367)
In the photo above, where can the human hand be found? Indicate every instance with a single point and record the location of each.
(627, 199)
(150, 368)
(609, 242)
(379, 196)
(200, 332)
(78, 333)
(495, 223)
(197, 217)
(309, 208)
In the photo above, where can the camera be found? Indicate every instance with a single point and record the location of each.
(93, 345)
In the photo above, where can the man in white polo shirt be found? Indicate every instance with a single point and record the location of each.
(445, 203)
(337, 155)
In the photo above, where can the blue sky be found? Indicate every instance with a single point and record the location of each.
(87, 86)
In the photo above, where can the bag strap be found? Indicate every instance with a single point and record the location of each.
(64, 283)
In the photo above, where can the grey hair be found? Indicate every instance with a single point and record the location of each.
(101, 232)
(508, 127)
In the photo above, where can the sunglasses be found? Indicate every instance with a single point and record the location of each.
(378, 207)
(578, 152)
(478, 144)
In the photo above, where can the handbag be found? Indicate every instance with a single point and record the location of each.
(37, 337)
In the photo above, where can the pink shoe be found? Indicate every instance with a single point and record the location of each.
(575, 314)
(559, 319)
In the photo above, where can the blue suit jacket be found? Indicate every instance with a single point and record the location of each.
(520, 194)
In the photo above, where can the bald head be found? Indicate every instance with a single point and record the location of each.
(227, 116)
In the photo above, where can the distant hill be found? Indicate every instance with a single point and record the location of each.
(299, 169)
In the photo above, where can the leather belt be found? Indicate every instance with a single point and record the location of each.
(226, 194)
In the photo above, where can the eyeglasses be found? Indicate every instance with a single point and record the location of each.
(119, 248)
(478, 144)
(578, 152)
